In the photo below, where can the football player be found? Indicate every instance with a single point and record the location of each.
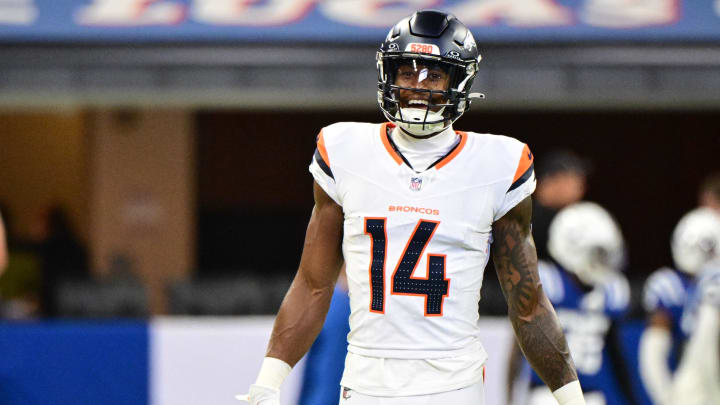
(697, 380)
(666, 297)
(415, 208)
(584, 283)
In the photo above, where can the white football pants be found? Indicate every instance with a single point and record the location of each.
(471, 395)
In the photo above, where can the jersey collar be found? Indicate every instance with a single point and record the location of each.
(399, 159)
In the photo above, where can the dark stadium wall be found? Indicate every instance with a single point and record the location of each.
(254, 190)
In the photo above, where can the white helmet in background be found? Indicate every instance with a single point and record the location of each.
(696, 240)
(586, 241)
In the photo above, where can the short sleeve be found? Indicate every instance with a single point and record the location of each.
(522, 185)
(321, 171)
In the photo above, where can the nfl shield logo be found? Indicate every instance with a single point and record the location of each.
(415, 183)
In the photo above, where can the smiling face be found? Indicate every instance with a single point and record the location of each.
(418, 75)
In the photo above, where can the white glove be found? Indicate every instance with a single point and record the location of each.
(260, 395)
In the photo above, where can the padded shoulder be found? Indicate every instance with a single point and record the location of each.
(664, 289)
(341, 131)
(503, 158)
(617, 293)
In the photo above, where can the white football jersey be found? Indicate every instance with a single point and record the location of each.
(416, 244)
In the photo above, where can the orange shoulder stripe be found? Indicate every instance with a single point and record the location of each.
(386, 142)
(526, 160)
(321, 148)
(448, 158)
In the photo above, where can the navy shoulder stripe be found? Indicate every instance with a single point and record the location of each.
(525, 177)
(321, 162)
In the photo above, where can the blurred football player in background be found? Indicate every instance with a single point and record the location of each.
(385, 194)
(584, 282)
(562, 180)
(666, 298)
(697, 380)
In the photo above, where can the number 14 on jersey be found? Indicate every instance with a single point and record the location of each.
(434, 288)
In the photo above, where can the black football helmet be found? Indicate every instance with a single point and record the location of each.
(436, 40)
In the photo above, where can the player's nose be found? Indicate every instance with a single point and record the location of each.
(421, 84)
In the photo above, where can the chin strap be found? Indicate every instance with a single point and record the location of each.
(415, 122)
(410, 134)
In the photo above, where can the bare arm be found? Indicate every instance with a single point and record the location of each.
(305, 306)
(513, 372)
(532, 315)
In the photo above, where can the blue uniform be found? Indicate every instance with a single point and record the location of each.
(709, 286)
(586, 318)
(668, 290)
(326, 358)
(707, 290)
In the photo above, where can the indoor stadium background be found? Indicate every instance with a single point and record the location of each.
(171, 139)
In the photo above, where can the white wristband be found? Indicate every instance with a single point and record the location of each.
(272, 373)
(570, 394)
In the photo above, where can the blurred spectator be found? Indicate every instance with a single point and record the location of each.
(710, 192)
(561, 178)
(326, 358)
(62, 256)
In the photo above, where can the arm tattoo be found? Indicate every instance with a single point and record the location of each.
(536, 325)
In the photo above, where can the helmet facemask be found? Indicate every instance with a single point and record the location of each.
(423, 94)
